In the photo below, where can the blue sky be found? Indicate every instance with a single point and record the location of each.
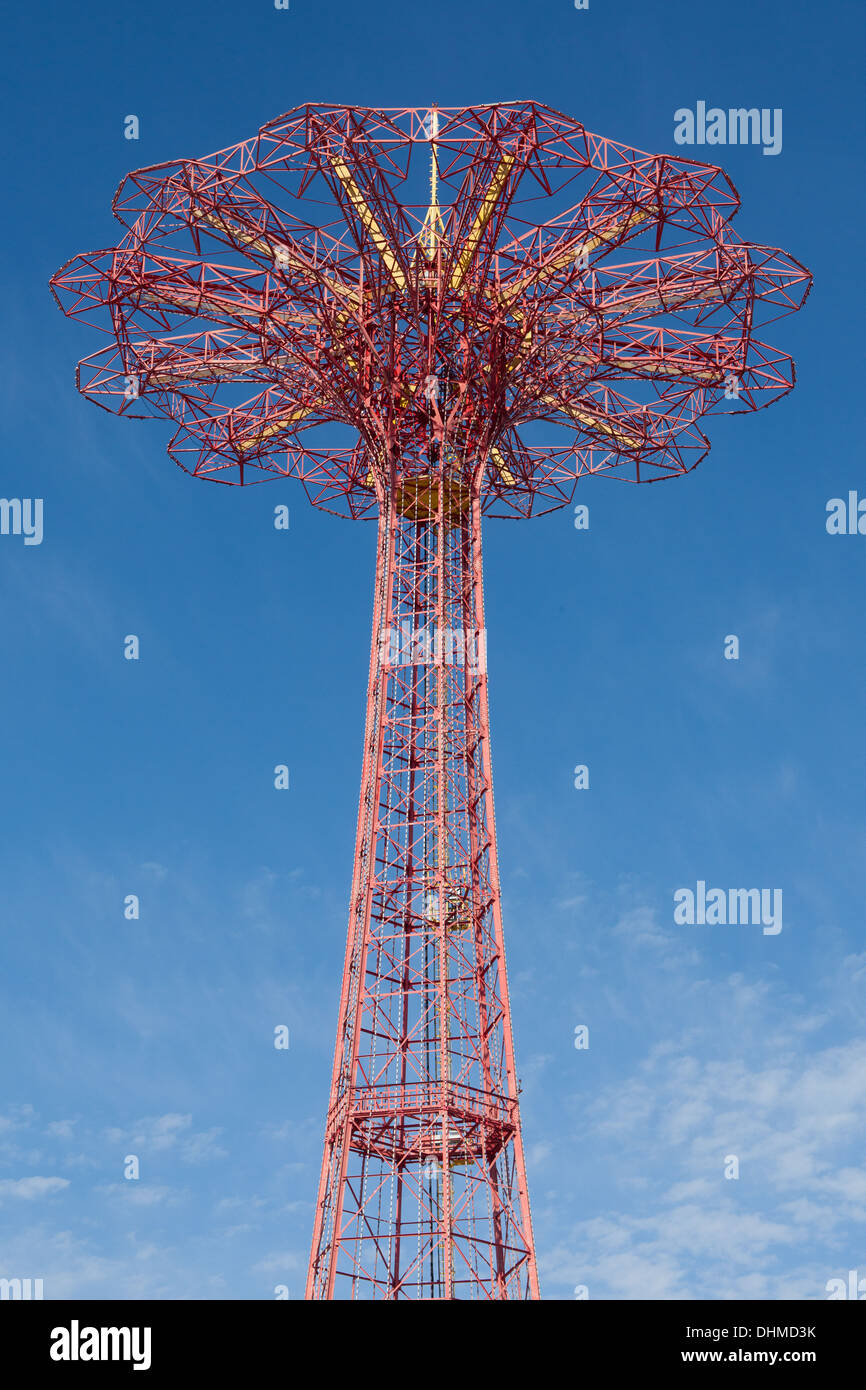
(154, 1036)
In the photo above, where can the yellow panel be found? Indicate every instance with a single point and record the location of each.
(505, 474)
(280, 254)
(283, 422)
(195, 303)
(592, 422)
(525, 342)
(651, 367)
(202, 373)
(418, 498)
(377, 236)
(604, 237)
(575, 249)
(664, 303)
(232, 230)
(665, 369)
(485, 212)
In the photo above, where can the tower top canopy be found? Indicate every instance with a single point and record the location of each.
(355, 297)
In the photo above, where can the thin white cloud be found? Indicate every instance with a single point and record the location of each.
(30, 1189)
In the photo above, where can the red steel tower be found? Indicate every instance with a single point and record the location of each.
(429, 284)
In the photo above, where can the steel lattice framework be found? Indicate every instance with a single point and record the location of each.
(389, 306)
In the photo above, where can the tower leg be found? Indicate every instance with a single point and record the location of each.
(423, 1186)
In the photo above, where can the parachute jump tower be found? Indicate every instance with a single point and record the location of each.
(390, 306)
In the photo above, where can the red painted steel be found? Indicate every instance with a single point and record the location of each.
(382, 304)
(423, 1190)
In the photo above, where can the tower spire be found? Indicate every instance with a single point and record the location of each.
(433, 230)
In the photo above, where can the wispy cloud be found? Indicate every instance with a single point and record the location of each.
(31, 1189)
